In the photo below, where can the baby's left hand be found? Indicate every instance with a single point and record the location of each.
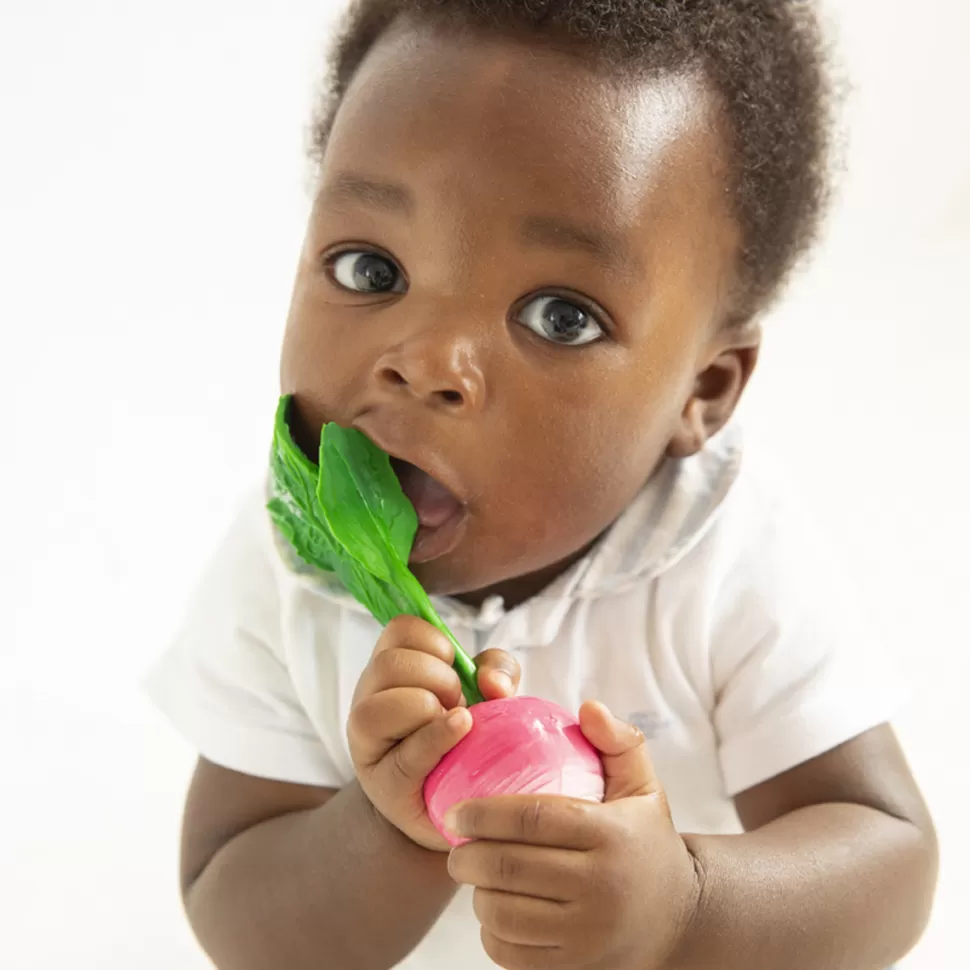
(565, 883)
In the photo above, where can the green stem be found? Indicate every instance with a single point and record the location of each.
(467, 674)
(463, 664)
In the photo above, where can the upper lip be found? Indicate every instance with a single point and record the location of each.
(397, 446)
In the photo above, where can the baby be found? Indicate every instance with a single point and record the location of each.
(542, 239)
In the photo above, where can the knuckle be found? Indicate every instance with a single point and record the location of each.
(595, 825)
(494, 912)
(437, 742)
(532, 817)
(426, 707)
(360, 721)
(507, 868)
(386, 664)
(415, 710)
(392, 714)
(365, 684)
(414, 633)
(366, 749)
(403, 667)
(401, 768)
(400, 629)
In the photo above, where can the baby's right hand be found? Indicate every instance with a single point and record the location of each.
(407, 716)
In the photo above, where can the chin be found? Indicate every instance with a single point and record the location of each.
(460, 574)
(474, 570)
(463, 577)
(445, 577)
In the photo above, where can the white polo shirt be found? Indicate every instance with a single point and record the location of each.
(709, 615)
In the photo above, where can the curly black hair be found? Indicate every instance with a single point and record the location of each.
(765, 61)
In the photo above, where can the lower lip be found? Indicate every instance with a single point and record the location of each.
(437, 542)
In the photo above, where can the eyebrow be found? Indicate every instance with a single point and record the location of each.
(392, 197)
(550, 232)
(553, 232)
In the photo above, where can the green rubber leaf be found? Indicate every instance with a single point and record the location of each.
(360, 503)
(378, 487)
(292, 504)
(349, 516)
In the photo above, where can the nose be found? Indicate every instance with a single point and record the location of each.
(436, 370)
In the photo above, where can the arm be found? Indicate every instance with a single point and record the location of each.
(837, 868)
(837, 871)
(287, 876)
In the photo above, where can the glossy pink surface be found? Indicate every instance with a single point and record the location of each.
(517, 745)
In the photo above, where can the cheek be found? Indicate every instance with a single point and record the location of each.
(318, 364)
(575, 464)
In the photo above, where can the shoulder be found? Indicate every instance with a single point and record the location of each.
(764, 590)
(762, 538)
(782, 644)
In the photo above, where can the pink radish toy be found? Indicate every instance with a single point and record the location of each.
(517, 745)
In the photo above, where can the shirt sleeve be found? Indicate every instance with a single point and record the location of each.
(224, 682)
(796, 668)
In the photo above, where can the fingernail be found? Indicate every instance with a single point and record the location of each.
(452, 821)
(503, 680)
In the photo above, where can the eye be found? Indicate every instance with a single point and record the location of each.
(364, 272)
(560, 321)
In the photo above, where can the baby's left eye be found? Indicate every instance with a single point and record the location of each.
(366, 272)
(560, 321)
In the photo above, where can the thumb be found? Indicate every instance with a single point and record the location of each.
(623, 749)
(498, 674)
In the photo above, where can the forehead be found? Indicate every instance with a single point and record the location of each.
(485, 124)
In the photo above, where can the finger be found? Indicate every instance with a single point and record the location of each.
(411, 761)
(498, 674)
(514, 956)
(403, 667)
(380, 721)
(556, 874)
(415, 634)
(550, 820)
(626, 761)
(521, 919)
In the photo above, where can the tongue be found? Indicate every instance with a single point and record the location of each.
(433, 502)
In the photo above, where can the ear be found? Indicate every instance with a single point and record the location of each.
(726, 368)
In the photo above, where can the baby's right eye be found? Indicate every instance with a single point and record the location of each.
(366, 272)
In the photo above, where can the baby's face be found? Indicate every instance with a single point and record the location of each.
(513, 278)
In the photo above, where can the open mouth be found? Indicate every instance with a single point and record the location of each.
(441, 516)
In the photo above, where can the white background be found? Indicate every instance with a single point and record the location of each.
(152, 194)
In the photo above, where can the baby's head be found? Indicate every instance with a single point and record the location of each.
(542, 236)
